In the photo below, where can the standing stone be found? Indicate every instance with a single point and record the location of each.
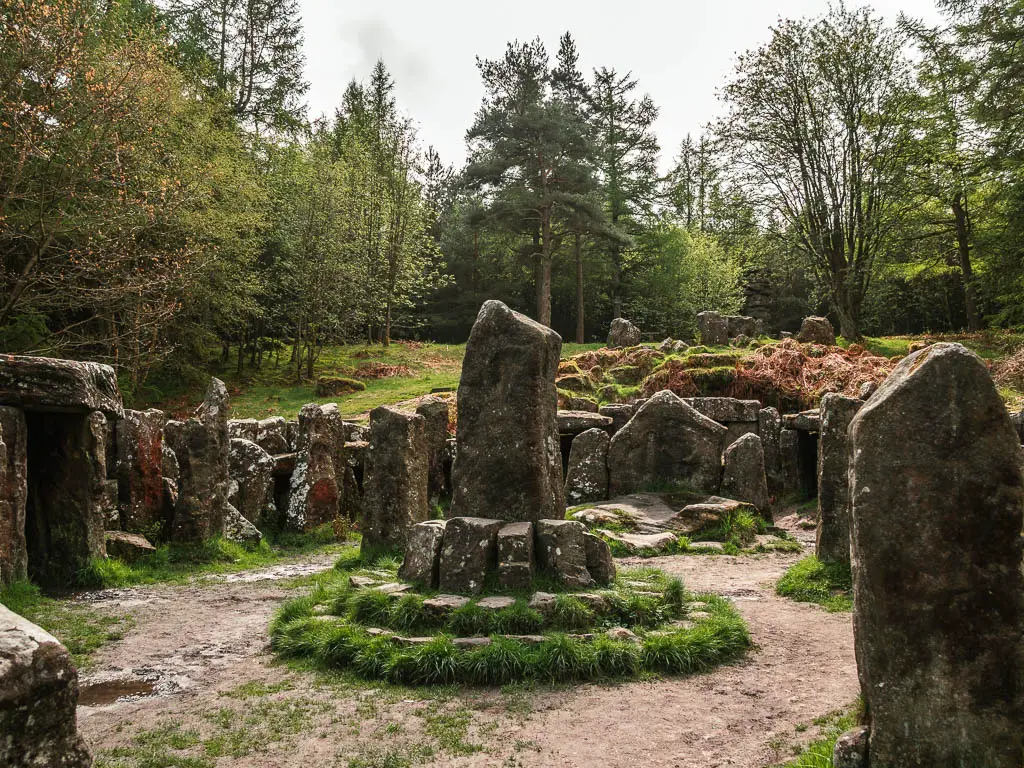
(789, 459)
(619, 413)
(423, 554)
(140, 473)
(243, 429)
(937, 511)
(744, 478)
(468, 552)
(666, 442)
(817, 330)
(713, 329)
(272, 435)
(13, 494)
(201, 446)
(434, 411)
(769, 428)
(315, 492)
(623, 334)
(515, 556)
(740, 325)
(252, 487)
(508, 461)
(600, 563)
(38, 699)
(837, 411)
(562, 550)
(395, 482)
(587, 476)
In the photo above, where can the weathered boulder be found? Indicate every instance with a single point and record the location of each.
(817, 330)
(740, 325)
(201, 445)
(725, 410)
(395, 483)
(237, 528)
(251, 491)
(314, 491)
(508, 388)
(744, 478)
(587, 476)
(667, 441)
(937, 511)
(38, 699)
(562, 550)
(515, 555)
(672, 346)
(46, 384)
(243, 429)
(713, 329)
(837, 411)
(468, 552)
(140, 473)
(575, 422)
(851, 749)
(619, 413)
(434, 411)
(623, 333)
(805, 421)
(127, 546)
(423, 554)
(789, 459)
(600, 563)
(13, 494)
(272, 435)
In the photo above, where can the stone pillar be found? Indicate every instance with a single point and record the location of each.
(769, 429)
(315, 495)
(508, 390)
(140, 476)
(395, 483)
(13, 494)
(587, 477)
(837, 411)
(434, 411)
(201, 446)
(937, 510)
(252, 485)
(38, 698)
(743, 478)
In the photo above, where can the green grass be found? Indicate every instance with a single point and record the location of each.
(818, 754)
(302, 633)
(78, 625)
(812, 581)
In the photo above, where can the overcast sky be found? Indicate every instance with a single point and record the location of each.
(679, 50)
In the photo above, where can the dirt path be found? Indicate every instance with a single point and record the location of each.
(199, 643)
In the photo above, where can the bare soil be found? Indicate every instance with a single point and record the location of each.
(198, 644)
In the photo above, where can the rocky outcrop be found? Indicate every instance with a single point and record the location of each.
(13, 494)
(666, 442)
(744, 477)
(251, 491)
(937, 511)
(622, 333)
(817, 330)
(600, 564)
(837, 411)
(140, 473)
(38, 699)
(508, 388)
(395, 483)
(587, 476)
(46, 384)
(572, 423)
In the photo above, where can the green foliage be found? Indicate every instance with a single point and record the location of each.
(571, 614)
(371, 607)
(812, 581)
(503, 661)
(517, 619)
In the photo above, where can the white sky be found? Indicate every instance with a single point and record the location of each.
(680, 52)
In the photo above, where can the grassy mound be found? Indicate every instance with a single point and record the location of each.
(812, 581)
(394, 637)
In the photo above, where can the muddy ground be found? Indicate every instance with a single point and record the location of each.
(203, 690)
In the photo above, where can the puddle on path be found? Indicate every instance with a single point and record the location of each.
(109, 691)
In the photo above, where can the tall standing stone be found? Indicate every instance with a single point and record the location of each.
(623, 333)
(713, 328)
(434, 411)
(837, 411)
(395, 481)
(252, 486)
(587, 476)
(13, 494)
(201, 445)
(937, 508)
(666, 442)
(769, 428)
(743, 478)
(508, 462)
(315, 486)
(140, 474)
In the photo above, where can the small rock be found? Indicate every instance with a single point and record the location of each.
(497, 603)
(442, 605)
(623, 334)
(543, 603)
(851, 750)
(127, 546)
(621, 633)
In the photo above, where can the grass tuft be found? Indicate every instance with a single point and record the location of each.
(812, 581)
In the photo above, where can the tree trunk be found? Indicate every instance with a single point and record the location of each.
(579, 290)
(387, 324)
(963, 247)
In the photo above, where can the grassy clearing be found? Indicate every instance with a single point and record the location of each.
(329, 629)
(818, 754)
(79, 626)
(812, 581)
